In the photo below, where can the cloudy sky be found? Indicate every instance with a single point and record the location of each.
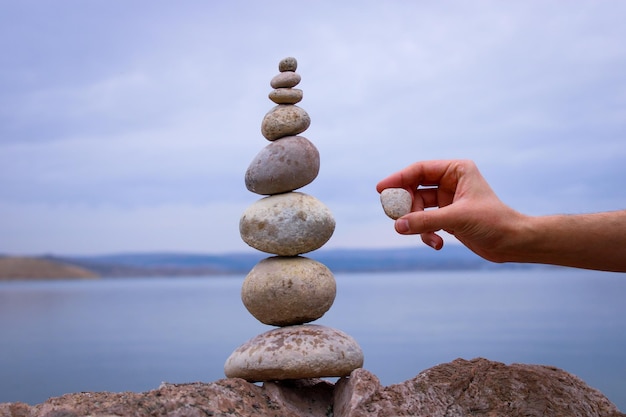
(128, 126)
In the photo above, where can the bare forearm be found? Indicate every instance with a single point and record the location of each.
(592, 241)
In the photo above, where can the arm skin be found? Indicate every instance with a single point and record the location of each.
(467, 207)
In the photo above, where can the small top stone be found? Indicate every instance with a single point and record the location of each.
(287, 64)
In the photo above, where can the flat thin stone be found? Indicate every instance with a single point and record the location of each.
(287, 290)
(396, 202)
(286, 79)
(287, 224)
(295, 352)
(284, 120)
(286, 95)
(288, 64)
(286, 164)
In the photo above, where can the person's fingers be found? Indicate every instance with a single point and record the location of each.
(433, 240)
(425, 198)
(428, 173)
(419, 222)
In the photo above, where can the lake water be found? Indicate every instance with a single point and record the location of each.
(132, 334)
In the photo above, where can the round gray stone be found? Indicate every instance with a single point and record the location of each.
(288, 290)
(286, 95)
(284, 120)
(295, 352)
(286, 79)
(288, 64)
(287, 224)
(396, 202)
(284, 165)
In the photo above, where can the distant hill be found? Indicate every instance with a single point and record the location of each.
(40, 268)
(452, 257)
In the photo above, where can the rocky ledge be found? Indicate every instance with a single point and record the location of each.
(460, 388)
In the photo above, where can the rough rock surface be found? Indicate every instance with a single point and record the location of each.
(287, 290)
(460, 388)
(284, 165)
(287, 224)
(295, 352)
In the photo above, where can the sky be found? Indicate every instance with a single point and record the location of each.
(128, 126)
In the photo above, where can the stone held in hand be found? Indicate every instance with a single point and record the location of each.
(287, 224)
(284, 120)
(288, 290)
(286, 164)
(396, 202)
(295, 352)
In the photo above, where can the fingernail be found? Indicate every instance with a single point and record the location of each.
(402, 225)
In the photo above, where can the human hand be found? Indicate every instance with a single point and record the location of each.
(466, 207)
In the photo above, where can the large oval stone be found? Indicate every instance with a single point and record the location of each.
(295, 352)
(284, 165)
(286, 290)
(287, 224)
(284, 120)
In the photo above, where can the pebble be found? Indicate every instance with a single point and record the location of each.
(284, 120)
(288, 64)
(396, 202)
(286, 95)
(288, 290)
(295, 352)
(284, 165)
(287, 224)
(286, 79)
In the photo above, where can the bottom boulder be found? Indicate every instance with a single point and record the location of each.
(460, 388)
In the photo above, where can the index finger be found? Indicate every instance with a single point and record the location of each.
(426, 173)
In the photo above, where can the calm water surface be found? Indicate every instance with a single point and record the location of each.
(132, 334)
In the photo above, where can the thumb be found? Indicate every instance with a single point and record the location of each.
(419, 222)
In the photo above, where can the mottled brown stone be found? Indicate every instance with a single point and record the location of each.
(284, 165)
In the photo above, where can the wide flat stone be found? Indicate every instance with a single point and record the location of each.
(287, 224)
(286, 95)
(286, 79)
(284, 165)
(284, 120)
(295, 352)
(287, 290)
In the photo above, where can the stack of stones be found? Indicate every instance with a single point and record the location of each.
(289, 290)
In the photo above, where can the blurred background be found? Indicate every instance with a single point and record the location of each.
(128, 126)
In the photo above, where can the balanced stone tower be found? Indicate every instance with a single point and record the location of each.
(289, 290)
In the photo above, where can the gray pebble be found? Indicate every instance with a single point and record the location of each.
(396, 202)
(288, 290)
(287, 64)
(286, 164)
